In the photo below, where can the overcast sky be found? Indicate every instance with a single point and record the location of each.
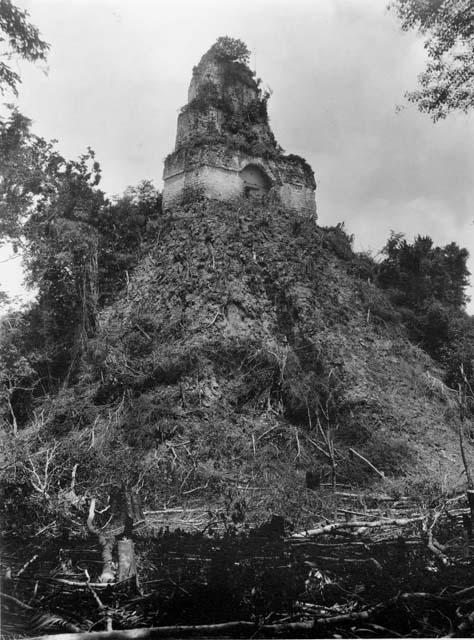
(118, 72)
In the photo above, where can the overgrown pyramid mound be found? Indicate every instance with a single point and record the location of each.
(246, 343)
(225, 147)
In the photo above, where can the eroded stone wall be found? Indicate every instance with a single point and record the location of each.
(208, 70)
(215, 173)
(298, 198)
(194, 124)
(241, 90)
(215, 183)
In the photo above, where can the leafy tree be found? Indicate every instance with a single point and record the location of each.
(21, 38)
(18, 376)
(421, 273)
(28, 165)
(457, 353)
(61, 257)
(125, 227)
(428, 283)
(447, 84)
(78, 248)
(47, 206)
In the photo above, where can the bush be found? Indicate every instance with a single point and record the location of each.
(337, 239)
(363, 266)
(191, 195)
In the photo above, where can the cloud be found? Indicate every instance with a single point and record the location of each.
(119, 72)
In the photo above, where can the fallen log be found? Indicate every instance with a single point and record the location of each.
(240, 627)
(355, 524)
(178, 631)
(19, 603)
(83, 583)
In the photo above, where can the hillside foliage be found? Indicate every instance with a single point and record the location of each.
(78, 249)
(237, 353)
(428, 285)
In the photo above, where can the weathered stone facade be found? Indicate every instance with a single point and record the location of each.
(225, 148)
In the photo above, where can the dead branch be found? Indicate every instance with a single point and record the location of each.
(26, 565)
(355, 524)
(245, 628)
(79, 583)
(298, 446)
(208, 326)
(165, 632)
(372, 562)
(23, 605)
(318, 447)
(359, 455)
(73, 477)
(102, 608)
(40, 479)
(432, 544)
(266, 432)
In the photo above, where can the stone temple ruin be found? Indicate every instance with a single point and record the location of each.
(225, 147)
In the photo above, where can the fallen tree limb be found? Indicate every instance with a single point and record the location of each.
(22, 605)
(100, 604)
(82, 583)
(432, 544)
(329, 528)
(26, 565)
(245, 628)
(361, 457)
(343, 560)
(161, 632)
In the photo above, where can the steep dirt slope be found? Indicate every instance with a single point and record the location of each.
(243, 336)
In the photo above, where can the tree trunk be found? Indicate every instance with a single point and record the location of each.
(127, 505)
(107, 544)
(108, 570)
(126, 559)
(132, 514)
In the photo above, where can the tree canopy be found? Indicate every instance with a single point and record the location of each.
(447, 83)
(77, 246)
(428, 284)
(20, 38)
(421, 272)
